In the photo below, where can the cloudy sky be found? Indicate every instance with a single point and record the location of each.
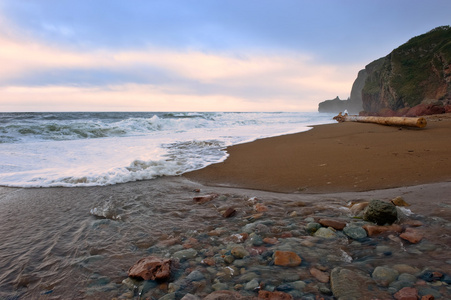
(197, 55)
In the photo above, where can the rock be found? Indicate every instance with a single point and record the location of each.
(260, 208)
(230, 212)
(190, 297)
(354, 232)
(226, 295)
(286, 259)
(220, 286)
(384, 275)
(430, 276)
(267, 295)
(151, 268)
(403, 268)
(312, 227)
(399, 201)
(412, 235)
(427, 297)
(373, 230)
(255, 239)
(271, 241)
(251, 285)
(335, 224)
(325, 233)
(195, 276)
(205, 198)
(407, 293)
(170, 296)
(358, 208)
(319, 275)
(185, 254)
(239, 252)
(354, 284)
(380, 212)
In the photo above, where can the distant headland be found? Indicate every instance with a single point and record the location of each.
(413, 80)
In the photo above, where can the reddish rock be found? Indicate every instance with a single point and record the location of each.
(205, 198)
(411, 235)
(254, 251)
(286, 234)
(151, 268)
(286, 259)
(226, 295)
(239, 237)
(407, 293)
(373, 230)
(230, 212)
(319, 275)
(271, 241)
(335, 224)
(427, 297)
(260, 207)
(399, 201)
(425, 109)
(267, 295)
(210, 261)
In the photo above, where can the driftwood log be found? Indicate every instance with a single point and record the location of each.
(393, 121)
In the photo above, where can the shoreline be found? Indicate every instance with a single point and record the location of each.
(338, 157)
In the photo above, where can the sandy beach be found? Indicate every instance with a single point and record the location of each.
(78, 243)
(337, 158)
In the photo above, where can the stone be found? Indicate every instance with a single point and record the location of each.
(407, 293)
(190, 297)
(399, 201)
(312, 227)
(335, 224)
(255, 239)
(230, 212)
(267, 295)
(384, 275)
(380, 212)
(427, 297)
(286, 259)
(358, 208)
(354, 232)
(151, 268)
(326, 233)
(185, 254)
(373, 230)
(412, 235)
(270, 241)
(239, 252)
(354, 284)
(320, 275)
(226, 295)
(205, 198)
(260, 208)
(195, 276)
(251, 285)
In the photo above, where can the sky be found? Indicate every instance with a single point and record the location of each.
(197, 55)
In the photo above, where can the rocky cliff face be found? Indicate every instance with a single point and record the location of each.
(416, 73)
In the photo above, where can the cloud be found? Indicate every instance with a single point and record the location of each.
(37, 76)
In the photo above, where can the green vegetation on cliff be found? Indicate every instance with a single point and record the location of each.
(416, 71)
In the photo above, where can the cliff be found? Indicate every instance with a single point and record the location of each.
(418, 73)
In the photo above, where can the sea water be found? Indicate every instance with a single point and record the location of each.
(102, 148)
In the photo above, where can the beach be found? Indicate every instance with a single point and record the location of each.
(340, 157)
(62, 243)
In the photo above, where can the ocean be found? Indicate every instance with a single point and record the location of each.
(70, 149)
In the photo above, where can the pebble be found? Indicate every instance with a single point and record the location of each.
(286, 259)
(335, 224)
(354, 232)
(384, 275)
(326, 233)
(239, 252)
(185, 254)
(412, 235)
(312, 227)
(251, 285)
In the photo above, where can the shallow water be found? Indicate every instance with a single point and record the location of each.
(78, 243)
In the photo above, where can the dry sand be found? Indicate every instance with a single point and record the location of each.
(341, 157)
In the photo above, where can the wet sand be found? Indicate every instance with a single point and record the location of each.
(337, 158)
